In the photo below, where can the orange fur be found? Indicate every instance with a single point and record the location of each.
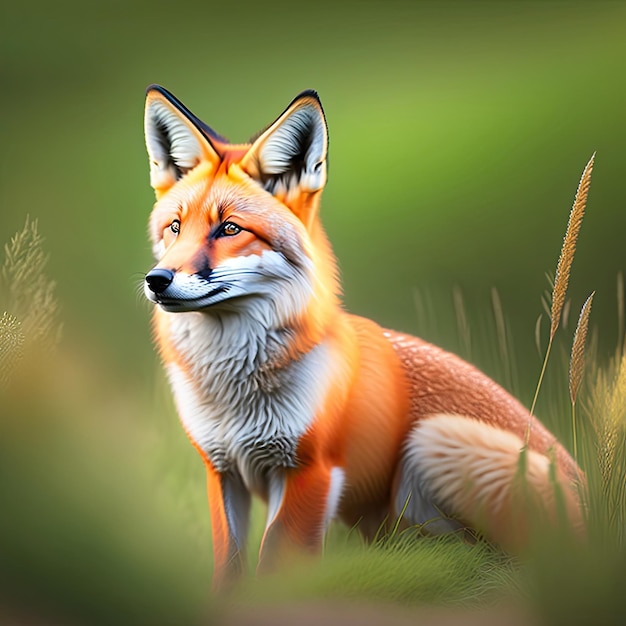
(287, 396)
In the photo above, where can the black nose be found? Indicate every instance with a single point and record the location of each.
(159, 279)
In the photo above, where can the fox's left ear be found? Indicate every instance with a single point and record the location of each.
(289, 158)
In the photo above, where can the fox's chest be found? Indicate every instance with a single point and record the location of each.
(243, 414)
(238, 426)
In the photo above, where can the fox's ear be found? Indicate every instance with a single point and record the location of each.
(176, 139)
(289, 158)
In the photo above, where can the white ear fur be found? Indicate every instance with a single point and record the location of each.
(174, 144)
(292, 151)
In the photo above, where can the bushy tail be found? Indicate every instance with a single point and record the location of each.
(472, 470)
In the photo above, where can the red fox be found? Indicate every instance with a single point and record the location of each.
(320, 413)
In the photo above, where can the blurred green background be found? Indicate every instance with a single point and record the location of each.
(458, 133)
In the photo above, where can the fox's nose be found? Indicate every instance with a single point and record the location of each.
(159, 279)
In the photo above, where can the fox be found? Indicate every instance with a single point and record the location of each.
(290, 398)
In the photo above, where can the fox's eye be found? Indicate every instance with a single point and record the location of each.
(229, 229)
(175, 227)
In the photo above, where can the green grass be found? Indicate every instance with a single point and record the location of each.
(408, 570)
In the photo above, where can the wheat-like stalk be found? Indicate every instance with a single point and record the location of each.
(566, 258)
(577, 364)
(577, 361)
(608, 413)
(561, 279)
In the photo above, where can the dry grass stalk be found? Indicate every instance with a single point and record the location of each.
(608, 437)
(538, 333)
(503, 339)
(563, 269)
(577, 361)
(463, 326)
(620, 312)
(29, 325)
(577, 364)
(566, 257)
(608, 413)
(617, 406)
(27, 292)
(11, 340)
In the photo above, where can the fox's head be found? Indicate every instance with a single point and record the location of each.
(235, 226)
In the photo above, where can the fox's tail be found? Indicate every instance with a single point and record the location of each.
(459, 464)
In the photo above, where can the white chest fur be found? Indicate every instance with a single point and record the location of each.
(243, 413)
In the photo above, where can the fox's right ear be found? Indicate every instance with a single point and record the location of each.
(176, 139)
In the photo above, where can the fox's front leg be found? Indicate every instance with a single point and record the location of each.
(229, 503)
(301, 503)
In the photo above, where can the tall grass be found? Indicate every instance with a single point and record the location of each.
(563, 270)
(29, 308)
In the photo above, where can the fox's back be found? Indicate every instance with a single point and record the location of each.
(428, 435)
(439, 382)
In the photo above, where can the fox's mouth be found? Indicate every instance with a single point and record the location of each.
(178, 305)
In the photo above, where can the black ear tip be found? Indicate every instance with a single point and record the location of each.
(308, 93)
(311, 93)
(159, 89)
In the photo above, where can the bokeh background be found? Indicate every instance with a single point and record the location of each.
(458, 133)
